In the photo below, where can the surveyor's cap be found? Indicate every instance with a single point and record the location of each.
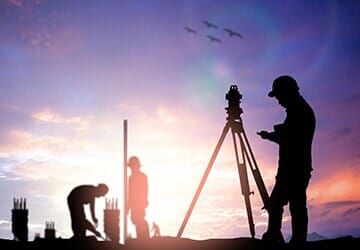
(134, 162)
(283, 84)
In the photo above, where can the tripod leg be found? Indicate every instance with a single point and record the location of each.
(256, 172)
(203, 180)
(244, 182)
(254, 168)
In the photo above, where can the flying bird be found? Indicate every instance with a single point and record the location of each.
(214, 39)
(233, 33)
(210, 25)
(190, 30)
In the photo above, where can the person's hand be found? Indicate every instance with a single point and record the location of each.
(98, 234)
(95, 222)
(263, 134)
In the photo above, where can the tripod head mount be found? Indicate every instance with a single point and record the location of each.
(233, 110)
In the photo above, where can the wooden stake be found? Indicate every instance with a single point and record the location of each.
(125, 178)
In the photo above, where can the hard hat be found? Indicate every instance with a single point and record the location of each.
(134, 161)
(284, 84)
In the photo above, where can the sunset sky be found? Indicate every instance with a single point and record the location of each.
(71, 71)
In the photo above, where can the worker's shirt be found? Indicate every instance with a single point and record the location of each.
(138, 191)
(81, 195)
(295, 137)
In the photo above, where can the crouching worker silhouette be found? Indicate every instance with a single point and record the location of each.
(294, 137)
(138, 198)
(78, 197)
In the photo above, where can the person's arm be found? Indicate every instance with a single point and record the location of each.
(276, 134)
(92, 229)
(271, 136)
(92, 210)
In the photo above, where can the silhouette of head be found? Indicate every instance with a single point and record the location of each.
(101, 190)
(134, 163)
(284, 89)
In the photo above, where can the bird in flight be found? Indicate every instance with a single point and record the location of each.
(233, 33)
(214, 39)
(210, 25)
(190, 30)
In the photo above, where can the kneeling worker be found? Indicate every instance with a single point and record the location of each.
(78, 197)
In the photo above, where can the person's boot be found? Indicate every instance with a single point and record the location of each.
(296, 245)
(273, 237)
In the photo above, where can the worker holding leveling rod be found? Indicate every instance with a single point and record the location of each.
(138, 198)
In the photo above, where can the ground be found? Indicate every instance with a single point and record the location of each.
(162, 243)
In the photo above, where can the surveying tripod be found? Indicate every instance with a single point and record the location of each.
(235, 125)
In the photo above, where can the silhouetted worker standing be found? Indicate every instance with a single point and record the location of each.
(294, 137)
(138, 198)
(78, 197)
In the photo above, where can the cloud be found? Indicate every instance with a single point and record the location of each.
(336, 204)
(5, 224)
(332, 217)
(339, 209)
(21, 142)
(126, 107)
(32, 169)
(352, 212)
(165, 115)
(79, 122)
(339, 186)
(16, 118)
